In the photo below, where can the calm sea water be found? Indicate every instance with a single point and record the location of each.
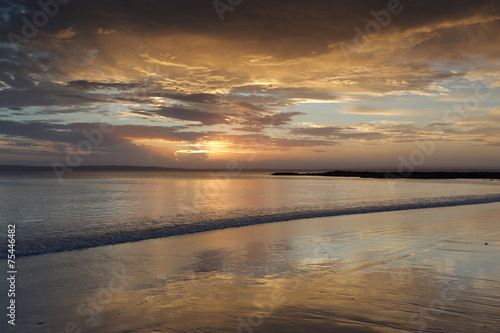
(98, 208)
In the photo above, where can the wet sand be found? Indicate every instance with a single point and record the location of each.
(426, 270)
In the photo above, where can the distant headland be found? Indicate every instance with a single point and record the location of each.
(396, 175)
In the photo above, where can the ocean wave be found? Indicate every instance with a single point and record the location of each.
(45, 243)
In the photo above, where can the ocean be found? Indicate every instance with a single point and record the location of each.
(90, 208)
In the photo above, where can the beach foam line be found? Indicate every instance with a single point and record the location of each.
(46, 244)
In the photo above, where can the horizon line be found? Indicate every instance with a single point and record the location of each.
(119, 167)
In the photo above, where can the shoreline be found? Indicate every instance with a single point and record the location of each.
(377, 272)
(171, 231)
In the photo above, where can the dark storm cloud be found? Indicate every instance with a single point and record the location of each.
(79, 97)
(248, 119)
(48, 95)
(74, 133)
(88, 85)
(145, 97)
(250, 106)
(44, 131)
(275, 22)
(180, 113)
(18, 71)
(283, 29)
(159, 132)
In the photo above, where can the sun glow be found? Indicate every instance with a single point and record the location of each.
(206, 147)
(211, 147)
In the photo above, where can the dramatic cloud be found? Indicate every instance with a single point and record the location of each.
(175, 112)
(323, 80)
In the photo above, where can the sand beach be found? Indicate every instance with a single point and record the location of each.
(423, 270)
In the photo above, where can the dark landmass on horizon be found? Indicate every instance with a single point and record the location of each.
(337, 173)
(409, 175)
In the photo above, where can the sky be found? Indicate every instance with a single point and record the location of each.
(286, 84)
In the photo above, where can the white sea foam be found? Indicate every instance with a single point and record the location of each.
(45, 243)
